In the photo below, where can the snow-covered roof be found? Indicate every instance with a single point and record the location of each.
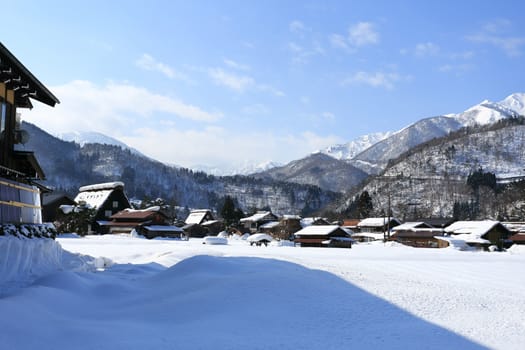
(95, 195)
(270, 224)
(319, 230)
(260, 215)
(375, 222)
(478, 228)
(102, 186)
(310, 221)
(92, 198)
(196, 216)
(408, 226)
(210, 222)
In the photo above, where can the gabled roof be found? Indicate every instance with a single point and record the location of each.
(477, 228)
(95, 195)
(376, 222)
(321, 230)
(93, 199)
(313, 220)
(133, 214)
(270, 225)
(102, 186)
(197, 216)
(411, 226)
(260, 215)
(18, 78)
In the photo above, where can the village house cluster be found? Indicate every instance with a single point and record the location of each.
(26, 205)
(112, 213)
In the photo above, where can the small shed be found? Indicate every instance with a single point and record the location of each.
(324, 236)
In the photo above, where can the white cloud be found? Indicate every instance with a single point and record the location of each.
(109, 108)
(376, 79)
(225, 148)
(339, 41)
(359, 35)
(297, 26)
(147, 62)
(363, 33)
(256, 109)
(497, 34)
(236, 65)
(426, 49)
(239, 83)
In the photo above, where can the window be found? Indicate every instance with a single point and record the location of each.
(3, 111)
(115, 204)
(108, 213)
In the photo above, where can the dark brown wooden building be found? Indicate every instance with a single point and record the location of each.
(51, 203)
(107, 199)
(324, 236)
(20, 200)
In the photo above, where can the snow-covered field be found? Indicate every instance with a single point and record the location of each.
(123, 292)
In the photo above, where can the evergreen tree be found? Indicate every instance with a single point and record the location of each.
(364, 205)
(229, 212)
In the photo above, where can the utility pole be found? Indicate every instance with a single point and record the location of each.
(388, 222)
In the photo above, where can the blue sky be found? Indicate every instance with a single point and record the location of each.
(219, 83)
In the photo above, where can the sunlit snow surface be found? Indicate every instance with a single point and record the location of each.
(164, 294)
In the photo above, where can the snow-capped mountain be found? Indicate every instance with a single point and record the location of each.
(404, 139)
(430, 180)
(245, 168)
(385, 146)
(85, 137)
(350, 149)
(488, 112)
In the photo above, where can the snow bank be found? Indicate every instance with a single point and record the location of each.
(23, 260)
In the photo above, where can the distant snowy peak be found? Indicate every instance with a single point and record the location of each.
(84, 137)
(516, 102)
(488, 112)
(351, 149)
(245, 168)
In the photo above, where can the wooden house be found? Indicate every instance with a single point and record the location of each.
(478, 234)
(375, 229)
(150, 222)
(20, 200)
(252, 223)
(106, 198)
(51, 203)
(283, 229)
(351, 224)
(324, 236)
(201, 223)
(518, 238)
(314, 221)
(199, 216)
